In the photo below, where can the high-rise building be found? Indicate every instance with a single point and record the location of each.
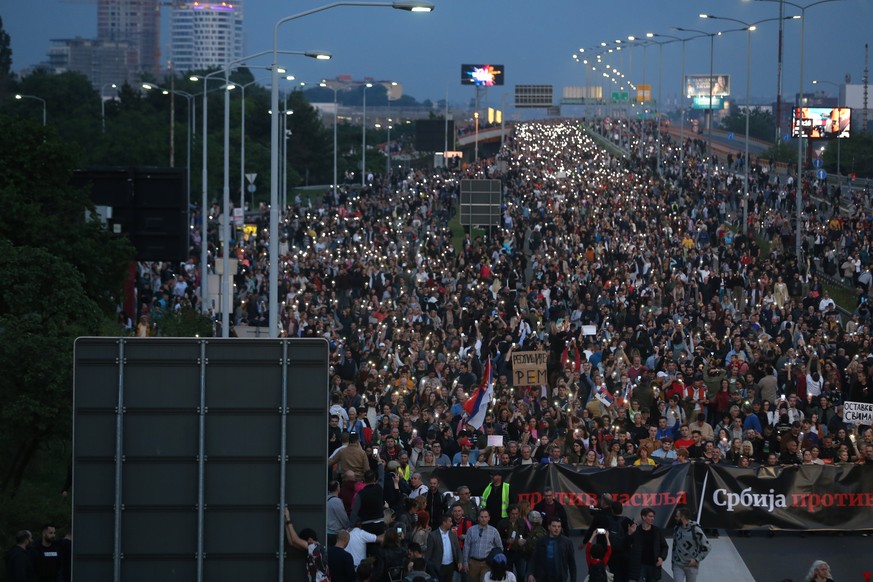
(102, 62)
(137, 24)
(205, 35)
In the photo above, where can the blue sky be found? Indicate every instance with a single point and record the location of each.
(533, 39)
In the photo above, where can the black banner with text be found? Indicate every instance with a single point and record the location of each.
(806, 497)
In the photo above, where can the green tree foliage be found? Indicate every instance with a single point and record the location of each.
(43, 308)
(856, 155)
(61, 276)
(762, 124)
(72, 105)
(42, 210)
(310, 148)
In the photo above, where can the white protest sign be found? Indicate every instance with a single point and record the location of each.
(858, 412)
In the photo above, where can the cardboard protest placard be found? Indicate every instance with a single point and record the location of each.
(529, 368)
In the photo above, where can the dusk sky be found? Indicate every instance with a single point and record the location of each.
(534, 40)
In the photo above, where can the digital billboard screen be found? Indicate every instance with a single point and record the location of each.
(701, 85)
(821, 122)
(482, 75)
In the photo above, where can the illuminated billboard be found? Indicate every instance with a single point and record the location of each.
(699, 85)
(703, 102)
(821, 122)
(482, 75)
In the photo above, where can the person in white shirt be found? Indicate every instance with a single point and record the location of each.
(418, 488)
(826, 303)
(358, 540)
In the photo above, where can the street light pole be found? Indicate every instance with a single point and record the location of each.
(242, 145)
(711, 36)
(839, 140)
(476, 153)
(364, 136)
(682, 96)
(409, 5)
(335, 87)
(204, 222)
(749, 27)
(190, 99)
(388, 123)
(19, 96)
(798, 194)
(103, 105)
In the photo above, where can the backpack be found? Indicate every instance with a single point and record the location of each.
(618, 532)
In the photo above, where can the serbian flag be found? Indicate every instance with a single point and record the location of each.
(604, 396)
(476, 405)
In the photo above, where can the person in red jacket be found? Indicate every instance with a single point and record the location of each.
(597, 557)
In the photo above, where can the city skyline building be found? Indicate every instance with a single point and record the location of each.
(136, 23)
(205, 35)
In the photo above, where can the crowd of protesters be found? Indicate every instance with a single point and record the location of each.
(671, 335)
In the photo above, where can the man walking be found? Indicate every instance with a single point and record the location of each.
(19, 563)
(553, 557)
(443, 549)
(481, 539)
(515, 532)
(46, 555)
(690, 547)
(648, 548)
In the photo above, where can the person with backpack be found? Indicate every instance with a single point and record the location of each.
(690, 547)
(597, 557)
(619, 540)
(316, 554)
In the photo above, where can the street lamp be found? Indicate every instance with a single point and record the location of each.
(711, 36)
(190, 98)
(684, 96)
(242, 144)
(408, 5)
(19, 96)
(103, 105)
(798, 195)
(335, 87)
(476, 154)
(388, 123)
(839, 104)
(364, 136)
(651, 35)
(749, 27)
(228, 86)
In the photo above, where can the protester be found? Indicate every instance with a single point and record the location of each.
(316, 555)
(553, 557)
(443, 549)
(690, 547)
(19, 563)
(481, 541)
(648, 548)
(819, 572)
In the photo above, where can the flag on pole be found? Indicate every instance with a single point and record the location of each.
(477, 404)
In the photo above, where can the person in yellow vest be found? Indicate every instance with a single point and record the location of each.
(496, 498)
